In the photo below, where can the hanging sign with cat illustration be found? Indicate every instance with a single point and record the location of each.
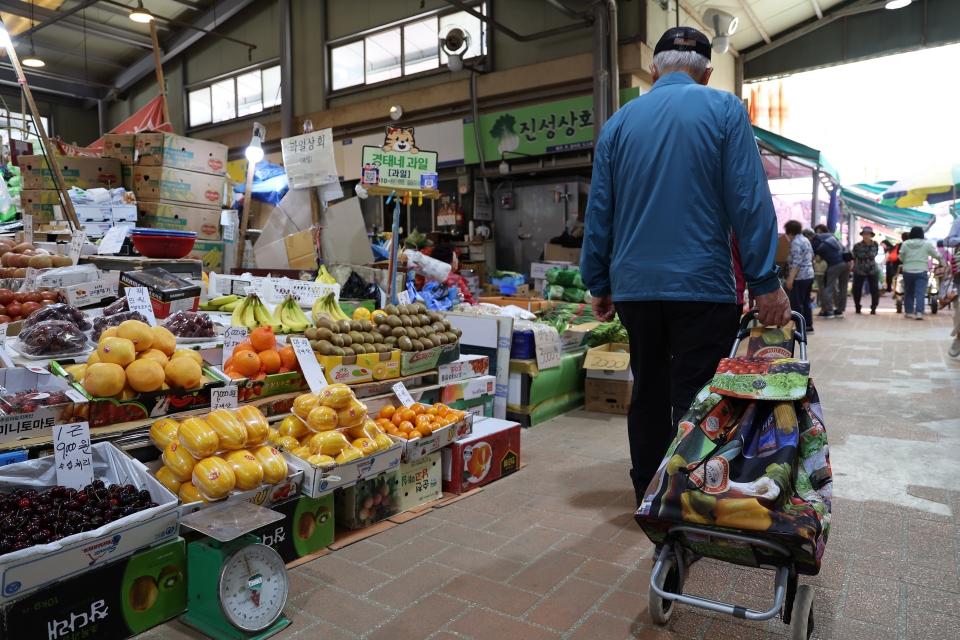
(399, 164)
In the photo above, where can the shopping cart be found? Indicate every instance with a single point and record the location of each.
(933, 289)
(794, 602)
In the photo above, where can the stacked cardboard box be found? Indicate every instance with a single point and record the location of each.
(609, 387)
(83, 173)
(180, 184)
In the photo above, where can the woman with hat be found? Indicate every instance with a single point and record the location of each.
(865, 268)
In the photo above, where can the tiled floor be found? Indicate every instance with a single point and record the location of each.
(553, 552)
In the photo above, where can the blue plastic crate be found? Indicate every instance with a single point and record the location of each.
(523, 347)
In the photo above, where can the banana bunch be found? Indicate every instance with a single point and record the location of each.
(289, 315)
(211, 259)
(324, 276)
(252, 313)
(328, 305)
(221, 303)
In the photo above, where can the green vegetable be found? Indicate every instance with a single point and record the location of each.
(608, 332)
(554, 292)
(572, 294)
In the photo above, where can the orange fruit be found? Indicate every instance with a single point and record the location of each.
(116, 350)
(387, 411)
(426, 429)
(104, 379)
(189, 354)
(263, 339)
(136, 332)
(145, 375)
(164, 340)
(441, 408)
(406, 427)
(259, 376)
(414, 434)
(183, 372)
(288, 357)
(283, 370)
(270, 360)
(417, 408)
(236, 376)
(432, 411)
(409, 415)
(243, 346)
(228, 364)
(397, 418)
(401, 435)
(422, 419)
(246, 362)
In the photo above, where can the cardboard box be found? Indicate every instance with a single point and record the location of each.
(301, 250)
(468, 389)
(607, 396)
(272, 385)
(43, 205)
(367, 502)
(490, 453)
(413, 362)
(168, 293)
(179, 152)
(421, 482)
(106, 411)
(180, 217)
(317, 483)
(481, 406)
(89, 293)
(164, 183)
(126, 177)
(463, 368)
(28, 570)
(609, 362)
(538, 270)
(210, 253)
(575, 336)
(83, 173)
(369, 367)
(307, 527)
(121, 146)
(56, 403)
(416, 449)
(98, 603)
(522, 291)
(556, 253)
(479, 269)
(530, 304)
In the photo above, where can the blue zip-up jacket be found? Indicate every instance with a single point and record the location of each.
(828, 247)
(675, 171)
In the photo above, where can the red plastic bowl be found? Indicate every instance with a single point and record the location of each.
(171, 247)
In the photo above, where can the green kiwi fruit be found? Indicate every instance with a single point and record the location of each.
(390, 341)
(357, 337)
(425, 320)
(428, 329)
(354, 325)
(421, 332)
(366, 326)
(336, 340)
(338, 351)
(391, 310)
(438, 326)
(344, 326)
(323, 333)
(442, 337)
(451, 337)
(326, 323)
(377, 338)
(369, 348)
(417, 345)
(367, 338)
(412, 333)
(446, 324)
(457, 331)
(394, 321)
(405, 344)
(310, 333)
(433, 315)
(378, 317)
(347, 340)
(398, 332)
(384, 330)
(402, 310)
(405, 321)
(421, 308)
(380, 348)
(325, 348)
(415, 321)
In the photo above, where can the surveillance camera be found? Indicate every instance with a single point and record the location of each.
(454, 40)
(455, 62)
(724, 24)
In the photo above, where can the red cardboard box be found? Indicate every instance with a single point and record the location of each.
(491, 452)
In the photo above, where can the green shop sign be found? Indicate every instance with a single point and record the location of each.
(398, 163)
(551, 127)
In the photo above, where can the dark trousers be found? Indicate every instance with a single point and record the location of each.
(674, 350)
(891, 274)
(800, 299)
(858, 289)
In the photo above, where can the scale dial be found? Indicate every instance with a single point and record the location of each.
(253, 587)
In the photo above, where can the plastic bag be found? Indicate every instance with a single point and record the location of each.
(190, 324)
(52, 338)
(553, 292)
(116, 307)
(64, 312)
(354, 288)
(103, 323)
(573, 294)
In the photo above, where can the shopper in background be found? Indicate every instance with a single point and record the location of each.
(865, 269)
(953, 241)
(677, 167)
(446, 252)
(828, 247)
(819, 275)
(913, 254)
(948, 261)
(800, 272)
(891, 261)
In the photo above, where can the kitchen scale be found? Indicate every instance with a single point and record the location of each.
(237, 587)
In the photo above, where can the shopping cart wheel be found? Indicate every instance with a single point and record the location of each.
(933, 306)
(801, 620)
(899, 307)
(668, 580)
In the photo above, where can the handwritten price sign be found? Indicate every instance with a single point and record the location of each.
(72, 454)
(547, 342)
(312, 370)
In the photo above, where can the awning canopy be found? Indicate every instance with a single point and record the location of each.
(786, 158)
(861, 199)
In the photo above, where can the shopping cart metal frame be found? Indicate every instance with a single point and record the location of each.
(793, 601)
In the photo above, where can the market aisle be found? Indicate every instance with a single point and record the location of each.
(552, 551)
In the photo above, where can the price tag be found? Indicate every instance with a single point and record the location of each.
(76, 245)
(112, 241)
(403, 297)
(73, 457)
(30, 280)
(224, 398)
(547, 342)
(400, 390)
(231, 338)
(3, 335)
(28, 228)
(138, 299)
(307, 358)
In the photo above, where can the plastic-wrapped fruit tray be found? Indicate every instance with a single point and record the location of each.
(87, 349)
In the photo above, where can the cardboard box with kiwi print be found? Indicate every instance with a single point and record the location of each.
(118, 600)
(307, 527)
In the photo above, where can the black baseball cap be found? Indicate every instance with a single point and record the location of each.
(683, 39)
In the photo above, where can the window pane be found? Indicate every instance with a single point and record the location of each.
(249, 94)
(347, 65)
(223, 100)
(471, 25)
(200, 107)
(271, 87)
(420, 46)
(383, 56)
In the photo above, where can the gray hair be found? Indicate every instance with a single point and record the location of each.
(690, 62)
(809, 233)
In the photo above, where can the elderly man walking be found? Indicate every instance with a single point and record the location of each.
(677, 171)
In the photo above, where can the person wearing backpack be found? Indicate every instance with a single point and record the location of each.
(828, 247)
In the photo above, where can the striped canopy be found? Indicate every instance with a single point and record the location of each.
(939, 184)
(861, 199)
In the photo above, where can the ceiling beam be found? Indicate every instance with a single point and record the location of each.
(180, 41)
(23, 10)
(755, 20)
(8, 77)
(817, 9)
(56, 18)
(860, 6)
(124, 13)
(696, 17)
(77, 54)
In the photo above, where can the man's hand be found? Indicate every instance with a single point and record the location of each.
(773, 308)
(603, 309)
(788, 284)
